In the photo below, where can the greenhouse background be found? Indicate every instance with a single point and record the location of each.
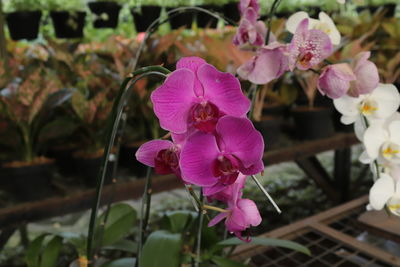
(81, 99)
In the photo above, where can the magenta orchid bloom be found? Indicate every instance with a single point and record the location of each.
(216, 160)
(163, 155)
(197, 94)
(241, 213)
(268, 64)
(226, 192)
(335, 79)
(250, 32)
(367, 76)
(245, 4)
(308, 47)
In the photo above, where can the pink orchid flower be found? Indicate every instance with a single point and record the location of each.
(197, 94)
(216, 160)
(335, 79)
(245, 4)
(226, 192)
(250, 32)
(268, 64)
(308, 47)
(367, 76)
(241, 213)
(163, 155)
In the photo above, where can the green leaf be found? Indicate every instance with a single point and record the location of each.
(51, 252)
(32, 256)
(179, 220)
(162, 248)
(224, 262)
(77, 240)
(124, 262)
(123, 245)
(268, 242)
(121, 219)
(58, 128)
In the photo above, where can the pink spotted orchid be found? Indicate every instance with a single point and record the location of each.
(196, 95)
(245, 4)
(269, 63)
(216, 160)
(335, 79)
(367, 76)
(163, 155)
(240, 214)
(250, 32)
(308, 47)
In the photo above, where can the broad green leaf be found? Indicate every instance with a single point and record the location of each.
(124, 262)
(51, 252)
(179, 220)
(77, 240)
(269, 242)
(58, 128)
(162, 248)
(32, 256)
(121, 219)
(224, 262)
(123, 245)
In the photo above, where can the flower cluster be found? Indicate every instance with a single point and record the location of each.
(213, 145)
(353, 85)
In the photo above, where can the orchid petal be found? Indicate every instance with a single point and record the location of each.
(217, 219)
(172, 100)
(148, 151)
(382, 190)
(196, 159)
(348, 107)
(223, 90)
(374, 137)
(394, 131)
(388, 99)
(191, 63)
(240, 138)
(333, 32)
(250, 211)
(294, 21)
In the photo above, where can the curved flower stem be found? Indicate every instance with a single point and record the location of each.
(252, 94)
(144, 214)
(274, 6)
(116, 113)
(171, 14)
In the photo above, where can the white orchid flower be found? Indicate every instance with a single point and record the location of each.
(378, 105)
(324, 23)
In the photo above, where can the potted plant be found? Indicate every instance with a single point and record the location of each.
(184, 19)
(106, 13)
(68, 18)
(26, 104)
(144, 13)
(23, 18)
(311, 121)
(205, 20)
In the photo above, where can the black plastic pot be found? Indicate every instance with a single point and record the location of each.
(68, 24)
(270, 128)
(145, 16)
(274, 109)
(88, 169)
(128, 160)
(231, 11)
(107, 14)
(184, 19)
(24, 24)
(313, 123)
(205, 20)
(28, 183)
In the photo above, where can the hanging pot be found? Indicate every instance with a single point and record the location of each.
(106, 14)
(312, 123)
(184, 19)
(144, 16)
(68, 24)
(205, 20)
(24, 24)
(28, 182)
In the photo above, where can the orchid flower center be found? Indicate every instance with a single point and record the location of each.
(390, 150)
(368, 107)
(167, 161)
(226, 168)
(205, 116)
(305, 59)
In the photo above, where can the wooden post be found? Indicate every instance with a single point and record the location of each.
(3, 49)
